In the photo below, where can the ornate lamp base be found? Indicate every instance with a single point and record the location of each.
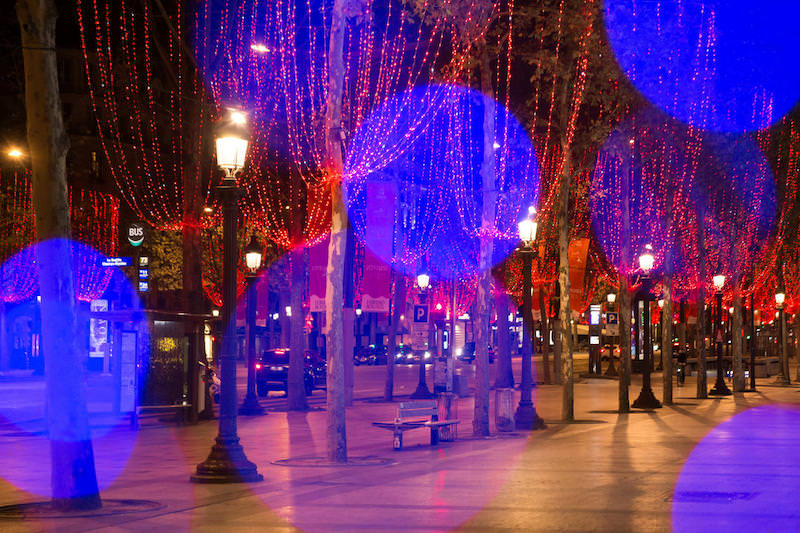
(226, 463)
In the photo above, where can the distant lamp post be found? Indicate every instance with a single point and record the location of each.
(783, 377)
(253, 256)
(720, 388)
(646, 399)
(611, 298)
(422, 392)
(526, 416)
(15, 153)
(227, 462)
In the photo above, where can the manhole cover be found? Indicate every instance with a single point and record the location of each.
(47, 510)
(323, 462)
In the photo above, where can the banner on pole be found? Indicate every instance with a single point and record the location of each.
(376, 284)
(317, 274)
(578, 251)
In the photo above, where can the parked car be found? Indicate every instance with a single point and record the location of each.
(467, 353)
(370, 355)
(404, 355)
(604, 353)
(272, 371)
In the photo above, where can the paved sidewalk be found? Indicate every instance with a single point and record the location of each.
(645, 471)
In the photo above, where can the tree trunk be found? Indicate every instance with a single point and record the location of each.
(545, 338)
(297, 283)
(700, 338)
(349, 317)
(739, 383)
(480, 421)
(504, 378)
(556, 329)
(397, 310)
(568, 393)
(666, 334)
(624, 403)
(296, 387)
(336, 430)
(73, 478)
(702, 385)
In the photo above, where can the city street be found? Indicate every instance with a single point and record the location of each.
(643, 471)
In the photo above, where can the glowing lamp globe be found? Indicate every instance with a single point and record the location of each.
(647, 260)
(232, 142)
(231, 152)
(780, 298)
(719, 281)
(611, 297)
(527, 227)
(252, 255)
(423, 280)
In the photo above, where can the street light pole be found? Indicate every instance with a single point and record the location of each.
(253, 257)
(783, 377)
(422, 392)
(720, 388)
(646, 399)
(525, 416)
(227, 463)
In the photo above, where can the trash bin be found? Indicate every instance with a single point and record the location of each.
(504, 409)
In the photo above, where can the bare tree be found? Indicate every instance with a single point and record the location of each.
(73, 478)
(336, 430)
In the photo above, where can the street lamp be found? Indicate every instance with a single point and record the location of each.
(422, 392)
(253, 255)
(646, 399)
(720, 388)
(783, 377)
(525, 416)
(227, 463)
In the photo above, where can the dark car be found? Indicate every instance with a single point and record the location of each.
(467, 353)
(404, 355)
(272, 371)
(370, 355)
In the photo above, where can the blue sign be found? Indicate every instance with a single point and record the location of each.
(144, 273)
(421, 314)
(144, 286)
(116, 262)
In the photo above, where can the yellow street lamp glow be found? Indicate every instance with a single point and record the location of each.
(15, 153)
(252, 255)
(611, 297)
(258, 47)
(719, 281)
(780, 298)
(647, 260)
(528, 227)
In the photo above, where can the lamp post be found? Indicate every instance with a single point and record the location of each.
(646, 399)
(227, 463)
(253, 257)
(720, 388)
(783, 377)
(525, 416)
(422, 392)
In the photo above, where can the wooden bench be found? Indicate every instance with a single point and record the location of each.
(180, 410)
(413, 415)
